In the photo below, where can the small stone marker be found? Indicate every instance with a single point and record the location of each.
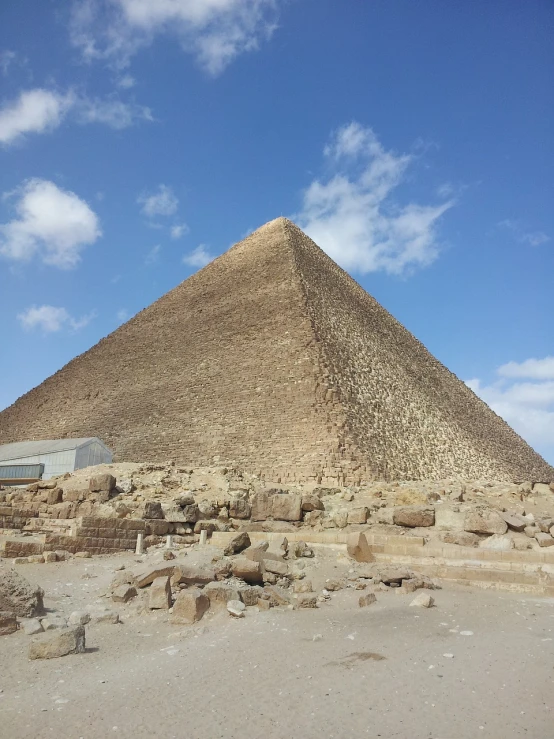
(203, 537)
(139, 549)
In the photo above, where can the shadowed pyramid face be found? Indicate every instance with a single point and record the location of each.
(273, 359)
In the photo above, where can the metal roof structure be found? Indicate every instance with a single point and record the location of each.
(22, 449)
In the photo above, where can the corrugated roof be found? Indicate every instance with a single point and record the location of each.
(21, 449)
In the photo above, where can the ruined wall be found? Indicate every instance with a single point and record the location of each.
(408, 415)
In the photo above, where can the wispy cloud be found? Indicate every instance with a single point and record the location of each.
(178, 230)
(353, 215)
(523, 235)
(41, 110)
(52, 224)
(7, 58)
(122, 315)
(50, 319)
(163, 202)
(153, 255)
(523, 396)
(198, 257)
(214, 31)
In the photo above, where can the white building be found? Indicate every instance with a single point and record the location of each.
(58, 456)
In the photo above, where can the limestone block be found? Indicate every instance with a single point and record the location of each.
(220, 593)
(498, 542)
(236, 608)
(190, 605)
(153, 509)
(247, 570)
(312, 503)
(261, 506)
(239, 508)
(367, 600)
(544, 540)
(286, 507)
(147, 575)
(193, 574)
(102, 483)
(423, 600)
(358, 515)
(8, 623)
(249, 594)
(514, 521)
(449, 518)
(485, 521)
(414, 516)
(278, 568)
(307, 600)
(159, 595)
(69, 640)
(17, 595)
(237, 544)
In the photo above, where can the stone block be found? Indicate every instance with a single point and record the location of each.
(261, 506)
(358, 515)
(358, 548)
(237, 544)
(190, 605)
(544, 540)
(54, 496)
(414, 516)
(367, 599)
(101, 483)
(514, 521)
(193, 574)
(249, 594)
(220, 593)
(18, 596)
(247, 570)
(69, 640)
(153, 509)
(147, 575)
(485, 521)
(236, 608)
(124, 593)
(312, 503)
(278, 568)
(307, 600)
(8, 623)
(159, 595)
(423, 600)
(239, 508)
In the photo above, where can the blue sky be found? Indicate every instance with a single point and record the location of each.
(413, 141)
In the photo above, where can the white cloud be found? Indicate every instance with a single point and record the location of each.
(41, 110)
(198, 257)
(122, 315)
(7, 58)
(353, 216)
(153, 255)
(533, 238)
(126, 81)
(52, 224)
(160, 203)
(527, 406)
(34, 111)
(50, 319)
(214, 31)
(180, 229)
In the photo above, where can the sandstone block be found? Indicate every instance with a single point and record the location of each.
(190, 605)
(485, 521)
(367, 600)
(8, 623)
(102, 483)
(286, 507)
(69, 640)
(237, 544)
(159, 595)
(414, 516)
(17, 595)
(247, 570)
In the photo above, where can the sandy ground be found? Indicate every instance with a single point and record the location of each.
(479, 664)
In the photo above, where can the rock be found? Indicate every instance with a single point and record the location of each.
(552, 531)
(498, 542)
(278, 568)
(286, 507)
(236, 608)
(193, 574)
(239, 508)
(147, 575)
(544, 540)
(264, 605)
(83, 555)
(220, 593)
(307, 601)
(159, 595)
(358, 515)
(190, 605)
(249, 594)
(53, 621)
(530, 531)
(153, 509)
(311, 503)
(462, 538)
(247, 570)
(358, 548)
(340, 519)
(54, 496)
(261, 506)
(276, 595)
(102, 615)
(545, 524)
(414, 516)
(168, 555)
(125, 486)
(449, 517)
(101, 483)
(124, 593)
(333, 585)
(423, 600)
(18, 596)
(542, 488)
(515, 522)
(237, 544)
(8, 623)
(79, 618)
(32, 626)
(485, 521)
(303, 586)
(50, 557)
(69, 640)
(367, 600)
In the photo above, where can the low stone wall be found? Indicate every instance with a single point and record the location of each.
(15, 518)
(98, 536)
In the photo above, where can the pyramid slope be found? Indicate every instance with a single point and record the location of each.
(274, 359)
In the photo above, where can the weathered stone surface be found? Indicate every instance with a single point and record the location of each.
(414, 516)
(277, 596)
(358, 515)
(31, 626)
(54, 496)
(8, 623)
(236, 608)
(498, 542)
(302, 586)
(190, 605)
(53, 621)
(358, 548)
(193, 574)
(249, 594)
(17, 595)
(153, 509)
(278, 568)
(485, 521)
(147, 575)
(124, 593)
(237, 544)
(261, 506)
(307, 600)
(286, 507)
(544, 540)
(515, 522)
(423, 600)
(239, 508)
(69, 640)
(50, 557)
(312, 503)
(159, 595)
(545, 524)
(449, 517)
(462, 538)
(334, 584)
(102, 615)
(102, 483)
(220, 593)
(367, 599)
(247, 569)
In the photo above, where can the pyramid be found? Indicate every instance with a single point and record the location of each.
(274, 360)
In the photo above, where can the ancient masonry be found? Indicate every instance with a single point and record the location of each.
(273, 359)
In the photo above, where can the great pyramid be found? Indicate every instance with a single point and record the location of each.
(275, 360)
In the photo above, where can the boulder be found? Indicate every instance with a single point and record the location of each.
(190, 605)
(311, 503)
(8, 623)
(531, 530)
(69, 640)
(278, 568)
(18, 596)
(485, 521)
(124, 593)
(367, 599)
(79, 618)
(303, 586)
(102, 615)
(423, 600)
(277, 596)
(159, 595)
(237, 544)
(358, 515)
(247, 570)
(514, 521)
(544, 540)
(334, 584)
(285, 507)
(220, 593)
(236, 608)
(414, 516)
(239, 508)
(153, 509)
(101, 483)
